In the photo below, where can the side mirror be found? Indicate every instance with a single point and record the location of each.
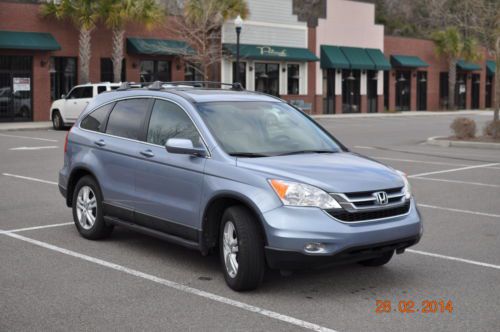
(184, 146)
(63, 96)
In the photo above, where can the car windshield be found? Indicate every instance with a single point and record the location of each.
(262, 129)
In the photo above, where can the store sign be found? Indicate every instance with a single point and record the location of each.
(21, 84)
(268, 50)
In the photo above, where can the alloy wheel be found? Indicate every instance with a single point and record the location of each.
(230, 249)
(86, 207)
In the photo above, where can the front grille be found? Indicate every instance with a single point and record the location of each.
(367, 200)
(361, 215)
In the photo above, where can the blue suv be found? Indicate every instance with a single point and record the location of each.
(240, 172)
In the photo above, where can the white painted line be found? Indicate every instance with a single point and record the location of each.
(28, 137)
(36, 227)
(463, 260)
(453, 170)
(29, 178)
(28, 148)
(460, 182)
(364, 147)
(459, 210)
(419, 161)
(176, 286)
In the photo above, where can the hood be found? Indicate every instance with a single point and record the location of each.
(333, 172)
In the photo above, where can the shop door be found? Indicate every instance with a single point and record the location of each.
(15, 88)
(371, 90)
(403, 88)
(476, 84)
(329, 98)
(421, 91)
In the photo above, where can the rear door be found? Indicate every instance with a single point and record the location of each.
(169, 185)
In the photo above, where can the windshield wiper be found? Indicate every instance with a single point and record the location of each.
(248, 154)
(305, 151)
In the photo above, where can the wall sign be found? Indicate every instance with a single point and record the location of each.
(21, 84)
(268, 50)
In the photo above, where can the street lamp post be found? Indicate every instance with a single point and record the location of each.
(238, 23)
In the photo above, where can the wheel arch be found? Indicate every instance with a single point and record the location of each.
(213, 212)
(75, 176)
(52, 111)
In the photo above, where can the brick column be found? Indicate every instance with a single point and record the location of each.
(317, 108)
(413, 93)
(482, 89)
(392, 91)
(364, 104)
(40, 87)
(380, 103)
(468, 93)
(338, 104)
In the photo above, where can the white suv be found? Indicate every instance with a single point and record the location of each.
(66, 110)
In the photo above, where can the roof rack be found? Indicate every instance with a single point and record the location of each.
(159, 85)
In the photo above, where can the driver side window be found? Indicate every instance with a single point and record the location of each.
(75, 93)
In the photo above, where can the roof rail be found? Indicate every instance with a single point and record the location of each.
(159, 85)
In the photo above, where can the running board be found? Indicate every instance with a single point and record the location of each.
(152, 232)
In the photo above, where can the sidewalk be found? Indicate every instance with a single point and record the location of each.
(9, 126)
(403, 114)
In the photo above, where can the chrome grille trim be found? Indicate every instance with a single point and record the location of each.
(365, 201)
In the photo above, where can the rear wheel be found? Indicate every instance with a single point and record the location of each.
(378, 261)
(57, 121)
(87, 210)
(241, 249)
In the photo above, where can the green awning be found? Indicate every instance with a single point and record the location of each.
(468, 66)
(267, 52)
(28, 41)
(491, 67)
(157, 47)
(358, 58)
(409, 61)
(333, 57)
(378, 58)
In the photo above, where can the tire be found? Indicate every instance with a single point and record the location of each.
(57, 121)
(379, 261)
(90, 228)
(249, 243)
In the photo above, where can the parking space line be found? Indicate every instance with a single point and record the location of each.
(463, 260)
(28, 137)
(459, 210)
(29, 178)
(33, 148)
(419, 161)
(460, 182)
(36, 227)
(175, 285)
(453, 170)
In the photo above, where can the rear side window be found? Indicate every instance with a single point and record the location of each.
(100, 89)
(96, 121)
(86, 92)
(170, 121)
(127, 118)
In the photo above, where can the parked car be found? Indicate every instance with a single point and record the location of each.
(66, 110)
(20, 101)
(237, 171)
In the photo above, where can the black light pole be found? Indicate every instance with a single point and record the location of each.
(238, 23)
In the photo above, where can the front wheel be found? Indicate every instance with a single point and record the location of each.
(87, 210)
(241, 249)
(57, 121)
(378, 261)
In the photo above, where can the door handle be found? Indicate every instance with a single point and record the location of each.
(147, 153)
(100, 143)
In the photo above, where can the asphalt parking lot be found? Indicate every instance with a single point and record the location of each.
(52, 279)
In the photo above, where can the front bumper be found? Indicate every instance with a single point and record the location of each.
(290, 229)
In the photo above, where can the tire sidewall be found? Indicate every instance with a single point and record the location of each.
(57, 124)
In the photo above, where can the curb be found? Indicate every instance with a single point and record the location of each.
(25, 126)
(439, 141)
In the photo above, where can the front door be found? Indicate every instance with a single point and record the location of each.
(476, 87)
(421, 91)
(76, 101)
(169, 185)
(16, 88)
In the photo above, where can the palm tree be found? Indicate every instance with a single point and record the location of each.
(450, 44)
(84, 14)
(117, 13)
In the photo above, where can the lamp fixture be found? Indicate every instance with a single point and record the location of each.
(401, 78)
(351, 77)
(263, 75)
(423, 80)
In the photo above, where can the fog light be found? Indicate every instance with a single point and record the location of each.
(314, 247)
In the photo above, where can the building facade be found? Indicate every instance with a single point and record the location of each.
(343, 63)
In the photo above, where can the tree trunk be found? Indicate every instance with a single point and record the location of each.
(452, 79)
(84, 54)
(117, 53)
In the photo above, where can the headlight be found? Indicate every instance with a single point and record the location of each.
(407, 188)
(301, 194)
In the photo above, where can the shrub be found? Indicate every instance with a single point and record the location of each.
(463, 128)
(490, 125)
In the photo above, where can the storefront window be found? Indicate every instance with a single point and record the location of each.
(155, 70)
(62, 76)
(15, 88)
(443, 89)
(329, 91)
(461, 91)
(267, 78)
(489, 91)
(243, 73)
(422, 91)
(107, 70)
(191, 73)
(351, 81)
(293, 75)
(403, 90)
(371, 90)
(476, 87)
